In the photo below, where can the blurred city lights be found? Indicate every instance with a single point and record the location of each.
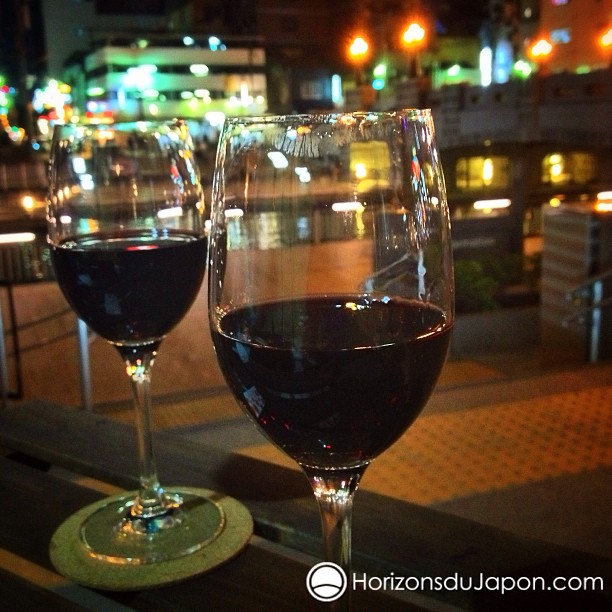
(414, 35)
(486, 66)
(17, 237)
(279, 161)
(348, 207)
(492, 204)
(541, 49)
(604, 201)
(28, 202)
(359, 48)
(606, 38)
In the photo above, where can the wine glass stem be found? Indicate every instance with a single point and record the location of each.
(151, 499)
(334, 492)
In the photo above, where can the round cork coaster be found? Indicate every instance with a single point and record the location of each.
(230, 526)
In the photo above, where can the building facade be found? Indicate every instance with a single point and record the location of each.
(511, 151)
(165, 76)
(575, 29)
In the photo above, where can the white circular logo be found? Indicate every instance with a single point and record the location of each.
(326, 581)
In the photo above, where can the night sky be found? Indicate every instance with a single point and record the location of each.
(460, 16)
(453, 17)
(12, 55)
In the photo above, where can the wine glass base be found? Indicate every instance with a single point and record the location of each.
(89, 549)
(111, 535)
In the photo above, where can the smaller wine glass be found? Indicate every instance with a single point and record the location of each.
(331, 288)
(126, 223)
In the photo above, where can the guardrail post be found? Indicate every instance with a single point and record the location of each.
(596, 321)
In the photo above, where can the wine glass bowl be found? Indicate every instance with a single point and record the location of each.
(126, 223)
(349, 391)
(115, 201)
(331, 295)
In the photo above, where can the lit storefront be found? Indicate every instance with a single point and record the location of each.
(164, 77)
(497, 194)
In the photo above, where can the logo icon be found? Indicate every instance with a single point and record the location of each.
(326, 581)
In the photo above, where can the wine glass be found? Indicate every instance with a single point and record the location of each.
(126, 223)
(331, 292)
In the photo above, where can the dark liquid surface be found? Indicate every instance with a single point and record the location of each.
(333, 381)
(131, 288)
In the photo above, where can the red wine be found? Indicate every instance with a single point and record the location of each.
(333, 381)
(131, 287)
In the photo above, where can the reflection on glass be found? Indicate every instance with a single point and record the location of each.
(331, 299)
(478, 172)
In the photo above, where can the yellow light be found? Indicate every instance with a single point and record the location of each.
(604, 201)
(487, 171)
(359, 48)
(556, 170)
(105, 134)
(28, 202)
(491, 204)
(360, 171)
(414, 34)
(541, 49)
(554, 202)
(606, 39)
(348, 207)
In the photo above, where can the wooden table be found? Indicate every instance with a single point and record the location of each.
(390, 536)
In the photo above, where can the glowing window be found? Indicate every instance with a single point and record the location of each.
(474, 173)
(573, 167)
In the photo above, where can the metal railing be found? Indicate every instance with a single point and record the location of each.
(590, 299)
(53, 331)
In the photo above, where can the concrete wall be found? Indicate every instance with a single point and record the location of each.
(498, 330)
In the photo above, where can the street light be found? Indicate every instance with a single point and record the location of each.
(358, 52)
(414, 35)
(413, 38)
(605, 42)
(358, 49)
(540, 52)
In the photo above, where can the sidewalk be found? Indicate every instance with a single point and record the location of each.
(185, 363)
(531, 455)
(503, 441)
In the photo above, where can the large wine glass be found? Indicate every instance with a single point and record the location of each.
(126, 224)
(331, 293)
